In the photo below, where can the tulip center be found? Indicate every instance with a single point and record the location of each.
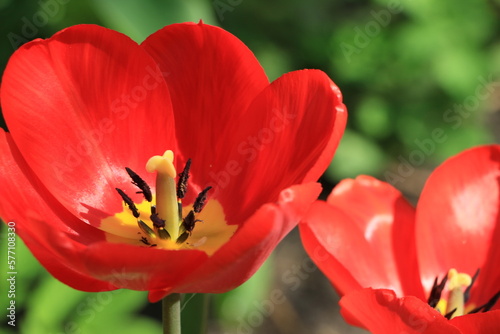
(454, 302)
(453, 305)
(167, 218)
(161, 220)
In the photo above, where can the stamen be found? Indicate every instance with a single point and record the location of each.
(183, 237)
(491, 302)
(467, 291)
(145, 228)
(183, 179)
(486, 307)
(129, 202)
(436, 291)
(189, 221)
(200, 200)
(449, 315)
(179, 205)
(157, 221)
(159, 225)
(141, 184)
(163, 234)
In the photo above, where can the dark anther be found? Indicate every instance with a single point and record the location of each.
(145, 228)
(183, 180)
(200, 200)
(189, 221)
(467, 291)
(129, 202)
(153, 209)
(163, 234)
(157, 221)
(486, 307)
(450, 314)
(436, 291)
(179, 208)
(141, 184)
(183, 237)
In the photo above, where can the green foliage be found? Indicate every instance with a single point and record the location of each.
(235, 307)
(356, 155)
(419, 61)
(138, 19)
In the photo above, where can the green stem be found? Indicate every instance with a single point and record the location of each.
(171, 314)
(195, 306)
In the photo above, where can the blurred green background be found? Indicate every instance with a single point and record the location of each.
(418, 78)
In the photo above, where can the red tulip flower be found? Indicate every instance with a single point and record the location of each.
(171, 166)
(406, 270)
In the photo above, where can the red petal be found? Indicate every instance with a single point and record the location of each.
(356, 228)
(478, 323)
(60, 254)
(212, 77)
(330, 241)
(236, 261)
(141, 268)
(54, 244)
(291, 131)
(83, 105)
(381, 312)
(458, 220)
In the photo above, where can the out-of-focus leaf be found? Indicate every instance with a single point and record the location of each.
(461, 139)
(49, 305)
(373, 117)
(114, 311)
(274, 60)
(124, 325)
(356, 155)
(139, 19)
(234, 306)
(410, 127)
(457, 71)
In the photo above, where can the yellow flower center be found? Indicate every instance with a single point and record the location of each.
(161, 221)
(454, 304)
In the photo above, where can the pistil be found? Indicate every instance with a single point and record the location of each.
(167, 207)
(456, 283)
